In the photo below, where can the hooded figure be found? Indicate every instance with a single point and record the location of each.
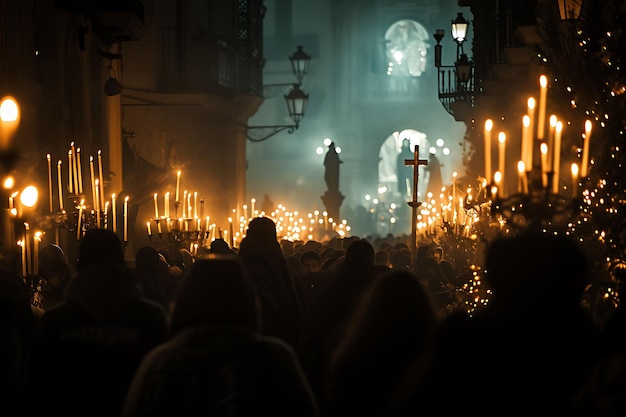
(89, 345)
(216, 362)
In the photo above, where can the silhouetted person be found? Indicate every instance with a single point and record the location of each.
(267, 205)
(54, 276)
(404, 172)
(86, 349)
(216, 362)
(152, 271)
(435, 181)
(331, 164)
(392, 330)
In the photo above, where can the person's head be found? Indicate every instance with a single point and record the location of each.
(52, 261)
(310, 261)
(99, 246)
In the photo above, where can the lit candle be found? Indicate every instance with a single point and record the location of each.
(574, 179)
(522, 185)
(206, 227)
(114, 212)
(73, 167)
(126, 219)
(97, 190)
(184, 204)
(195, 204)
(70, 178)
(167, 205)
(178, 186)
(36, 240)
(101, 182)
(29, 268)
(487, 134)
(80, 219)
(189, 204)
(544, 164)
(106, 215)
(584, 170)
(252, 201)
(551, 132)
(22, 245)
(60, 185)
(543, 98)
(501, 157)
(526, 138)
(557, 157)
(149, 229)
(159, 227)
(93, 182)
(49, 181)
(79, 172)
(156, 206)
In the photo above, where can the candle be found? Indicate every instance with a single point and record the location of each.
(60, 185)
(557, 157)
(167, 205)
(114, 212)
(79, 172)
(36, 240)
(149, 229)
(49, 181)
(189, 204)
(93, 182)
(178, 186)
(159, 227)
(584, 170)
(543, 97)
(29, 255)
(156, 206)
(184, 204)
(501, 157)
(551, 133)
(544, 164)
(574, 179)
(522, 185)
(126, 219)
(487, 134)
(22, 245)
(80, 219)
(97, 190)
(70, 178)
(252, 212)
(106, 215)
(230, 231)
(73, 175)
(101, 182)
(526, 139)
(206, 227)
(195, 204)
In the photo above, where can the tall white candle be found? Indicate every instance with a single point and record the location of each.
(70, 179)
(574, 179)
(79, 172)
(487, 134)
(114, 212)
(584, 170)
(178, 186)
(522, 185)
(544, 163)
(543, 98)
(156, 206)
(167, 205)
(195, 205)
(556, 168)
(501, 153)
(97, 190)
(93, 182)
(60, 183)
(101, 181)
(49, 180)
(126, 219)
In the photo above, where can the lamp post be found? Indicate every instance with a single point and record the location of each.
(296, 100)
(455, 83)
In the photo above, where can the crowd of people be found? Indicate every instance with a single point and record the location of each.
(346, 327)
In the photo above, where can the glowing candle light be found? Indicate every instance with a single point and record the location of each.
(195, 204)
(101, 182)
(206, 227)
(544, 164)
(574, 179)
(522, 185)
(36, 240)
(487, 134)
(79, 172)
(93, 182)
(73, 167)
(184, 204)
(97, 191)
(252, 201)
(126, 219)
(557, 157)
(543, 98)
(149, 229)
(60, 183)
(114, 212)
(106, 215)
(167, 205)
(49, 180)
(28, 250)
(70, 180)
(501, 157)
(526, 139)
(551, 133)
(156, 206)
(189, 204)
(584, 170)
(178, 186)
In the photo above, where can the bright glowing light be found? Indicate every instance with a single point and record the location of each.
(9, 111)
(446, 151)
(319, 150)
(29, 196)
(327, 141)
(439, 142)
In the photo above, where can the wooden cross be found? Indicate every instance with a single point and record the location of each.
(416, 162)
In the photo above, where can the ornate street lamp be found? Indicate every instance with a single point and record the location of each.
(296, 100)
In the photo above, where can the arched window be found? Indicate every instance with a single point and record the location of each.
(406, 48)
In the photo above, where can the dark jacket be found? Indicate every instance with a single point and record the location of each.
(86, 349)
